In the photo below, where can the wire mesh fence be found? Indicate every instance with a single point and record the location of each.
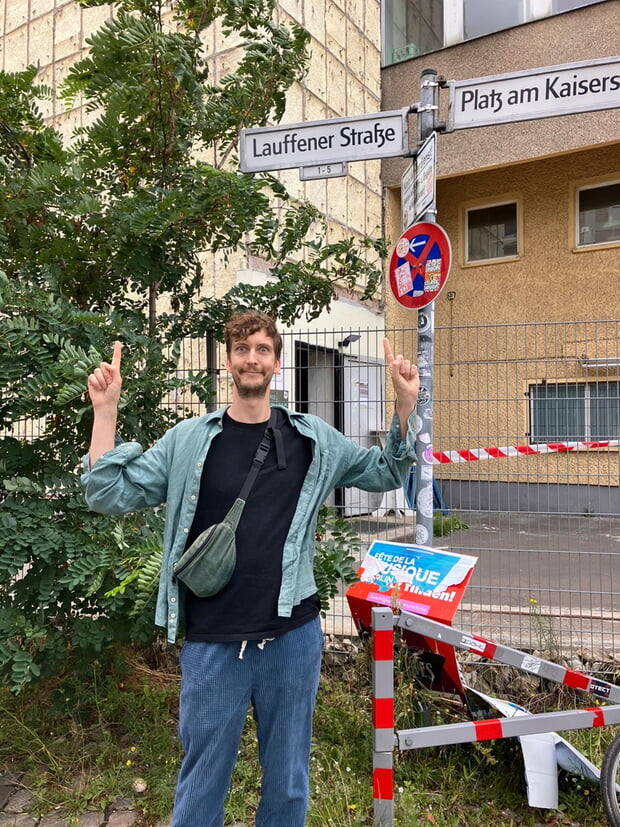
(526, 421)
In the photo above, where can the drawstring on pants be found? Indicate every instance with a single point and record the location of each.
(260, 645)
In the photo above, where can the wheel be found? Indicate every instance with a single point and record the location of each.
(610, 782)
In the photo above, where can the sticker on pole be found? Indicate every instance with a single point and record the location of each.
(420, 265)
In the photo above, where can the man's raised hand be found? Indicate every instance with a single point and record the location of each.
(104, 383)
(406, 382)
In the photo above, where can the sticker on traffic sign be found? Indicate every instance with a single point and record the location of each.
(420, 265)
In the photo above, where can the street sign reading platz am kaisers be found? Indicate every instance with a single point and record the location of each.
(536, 93)
(332, 141)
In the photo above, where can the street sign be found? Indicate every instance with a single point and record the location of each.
(420, 265)
(425, 172)
(417, 184)
(536, 93)
(407, 196)
(332, 141)
(323, 171)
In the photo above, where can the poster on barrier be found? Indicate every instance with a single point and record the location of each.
(417, 579)
(423, 581)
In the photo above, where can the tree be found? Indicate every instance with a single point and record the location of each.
(95, 234)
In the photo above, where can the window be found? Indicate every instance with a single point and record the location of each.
(413, 27)
(491, 232)
(417, 27)
(598, 210)
(575, 411)
(482, 17)
(569, 5)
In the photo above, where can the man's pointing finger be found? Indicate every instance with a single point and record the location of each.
(116, 356)
(389, 356)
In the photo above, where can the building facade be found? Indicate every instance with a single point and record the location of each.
(343, 79)
(526, 345)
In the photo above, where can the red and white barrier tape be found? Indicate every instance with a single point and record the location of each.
(474, 454)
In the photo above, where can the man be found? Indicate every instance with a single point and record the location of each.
(259, 640)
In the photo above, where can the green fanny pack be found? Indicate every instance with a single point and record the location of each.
(208, 564)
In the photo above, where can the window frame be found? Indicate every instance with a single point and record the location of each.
(480, 204)
(574, 229)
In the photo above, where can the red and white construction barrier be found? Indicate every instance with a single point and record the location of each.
(474, 454)
(386, 739)
(608, 692)
(493, 728)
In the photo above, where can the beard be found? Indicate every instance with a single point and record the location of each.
(256, 390)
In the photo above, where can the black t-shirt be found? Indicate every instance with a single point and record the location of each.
(246, 609)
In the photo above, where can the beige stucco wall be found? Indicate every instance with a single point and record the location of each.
(511, 324)
(544, 283)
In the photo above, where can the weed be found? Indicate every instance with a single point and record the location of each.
(542, 627)
(444, 524)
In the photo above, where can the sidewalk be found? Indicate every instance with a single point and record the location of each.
(16, 800)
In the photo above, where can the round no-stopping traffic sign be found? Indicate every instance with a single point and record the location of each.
(420, 265)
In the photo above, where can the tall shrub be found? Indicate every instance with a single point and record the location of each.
(97, 235)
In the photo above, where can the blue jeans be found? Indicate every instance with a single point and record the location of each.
(280, 679)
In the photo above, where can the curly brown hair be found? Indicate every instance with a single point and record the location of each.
(242, 325)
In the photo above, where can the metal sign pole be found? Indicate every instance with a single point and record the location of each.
(427, 117)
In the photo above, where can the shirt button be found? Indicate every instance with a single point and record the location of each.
(186, 531)
(172, 615)
(193, 497)
(173, 600)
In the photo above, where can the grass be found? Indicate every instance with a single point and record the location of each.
(444, 524)
(81, 743)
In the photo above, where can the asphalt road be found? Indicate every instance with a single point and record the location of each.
(540, 579)
(548, 557)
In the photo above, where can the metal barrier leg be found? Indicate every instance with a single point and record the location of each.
(384, 737)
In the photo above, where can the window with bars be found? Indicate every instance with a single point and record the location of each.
(574, 411)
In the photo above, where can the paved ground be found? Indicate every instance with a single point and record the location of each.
(16, 800)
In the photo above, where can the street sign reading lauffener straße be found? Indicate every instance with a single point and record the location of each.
(331, 141)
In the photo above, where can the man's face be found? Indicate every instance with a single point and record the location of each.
(251, 363)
